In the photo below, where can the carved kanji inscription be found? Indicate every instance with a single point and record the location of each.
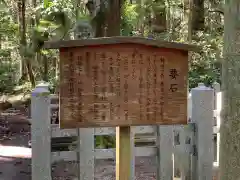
(122, 85)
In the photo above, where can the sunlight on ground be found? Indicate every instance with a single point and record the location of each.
(15, 152)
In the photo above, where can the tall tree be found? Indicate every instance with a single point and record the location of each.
(230, 127)
(114, 17)
(159, 16)
(198, 14)
(22, 31)
(26, 66)
(98, 12)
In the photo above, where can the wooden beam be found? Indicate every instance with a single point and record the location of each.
(123, 153)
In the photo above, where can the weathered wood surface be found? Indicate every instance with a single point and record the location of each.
(123, 153)
(119, 40)
(122, 85)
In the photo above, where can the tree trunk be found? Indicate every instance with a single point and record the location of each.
(230, 127)
(22, 32)
(45, 67)
(169, 21)
(187, 28)
(197, 15)
(114, 17)
(34, 20)
(99, 17)
(0, 41)
(26, 66)
(100, 21)
(30, 72)
(160, 18)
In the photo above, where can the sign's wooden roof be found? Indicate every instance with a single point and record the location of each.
(119, 40)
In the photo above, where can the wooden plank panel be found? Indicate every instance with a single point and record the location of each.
(64, 156)
(57, 132)
(122, 85)
(54, 106)
(102, 154)
(139, 151)
(54, 97)
(136, 130)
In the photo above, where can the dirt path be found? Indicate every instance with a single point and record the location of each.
(15, 156)
(15, 159)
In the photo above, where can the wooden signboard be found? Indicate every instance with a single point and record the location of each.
(122, 82)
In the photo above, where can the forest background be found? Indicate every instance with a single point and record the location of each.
(26, 24)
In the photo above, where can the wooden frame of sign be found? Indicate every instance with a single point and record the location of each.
(122, 81)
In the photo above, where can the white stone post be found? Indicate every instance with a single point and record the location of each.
(41, 133)
(86, 153)
(202, 115)
(165, 152)
(218, 108)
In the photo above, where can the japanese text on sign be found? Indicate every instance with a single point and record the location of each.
(120, 86)
(173, 74)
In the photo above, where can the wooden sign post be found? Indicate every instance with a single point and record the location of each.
(122, 82)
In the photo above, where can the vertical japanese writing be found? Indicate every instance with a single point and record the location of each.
(133, 64)
(71, 84)
(148, 101)
(173, 75)
(71, 74)
(79, 88)
(87, 63)
(117, 73)
(95, 70)
(110, 83)
(140, 100)
(111, 75)
(162, 64)
(155, 89)
(125, 95)
(117, 87)
(104, 76)
(103, 88)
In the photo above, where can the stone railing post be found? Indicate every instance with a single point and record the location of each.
(41, 133)
(202, 115)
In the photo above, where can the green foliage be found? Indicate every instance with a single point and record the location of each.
(105, 142)
(8, 66)
(206, 66)
(129, 19)
(7, 72)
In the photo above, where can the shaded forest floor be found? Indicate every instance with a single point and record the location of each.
(15, 156)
